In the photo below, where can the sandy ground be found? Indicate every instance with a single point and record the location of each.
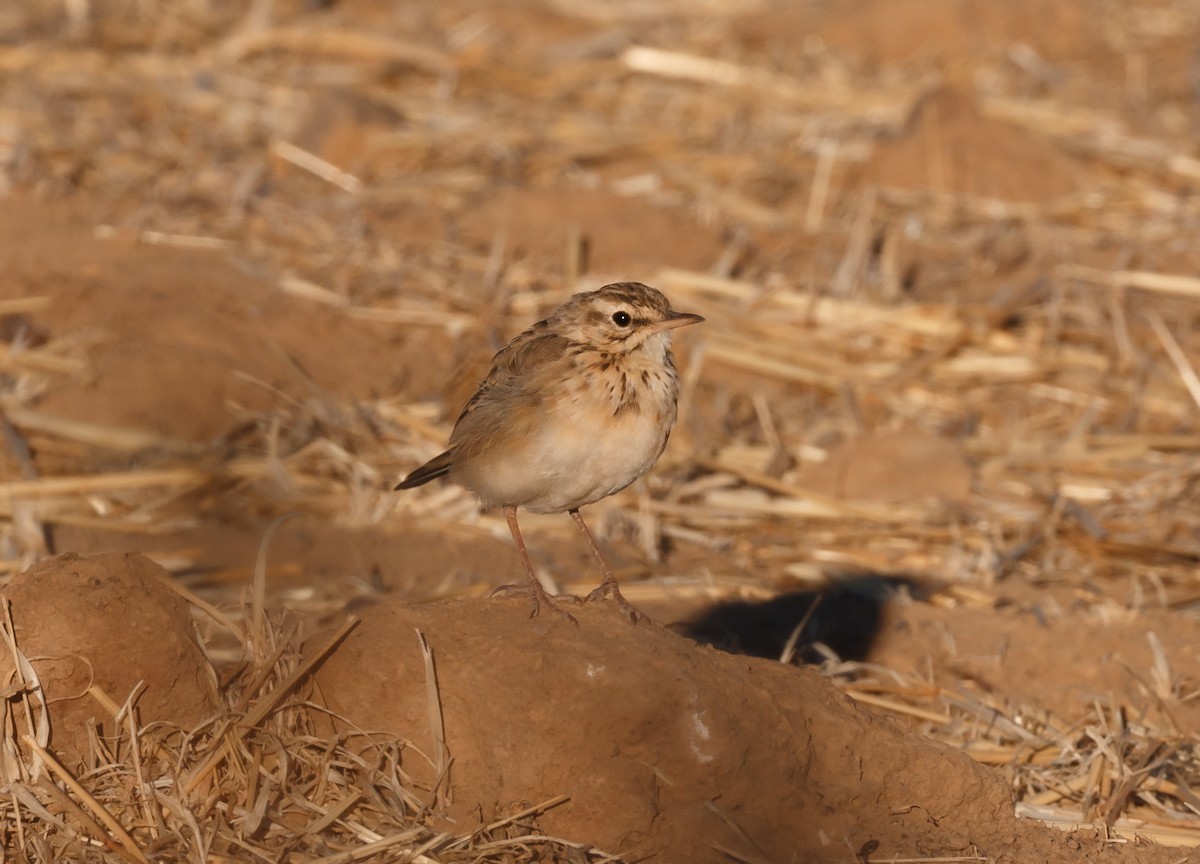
(195, 346)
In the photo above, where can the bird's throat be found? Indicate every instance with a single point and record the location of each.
(640, 380)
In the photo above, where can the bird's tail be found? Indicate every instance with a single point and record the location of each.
(436, 467)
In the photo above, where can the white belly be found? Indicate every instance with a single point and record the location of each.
(589, 464)
(579, 454)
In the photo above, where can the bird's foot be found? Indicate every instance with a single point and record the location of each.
(538, 598)
(544, 600)
(608, 588)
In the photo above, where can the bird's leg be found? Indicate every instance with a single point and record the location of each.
(536, 592)
(608, 588)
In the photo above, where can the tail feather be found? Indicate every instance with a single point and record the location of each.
(436, 467)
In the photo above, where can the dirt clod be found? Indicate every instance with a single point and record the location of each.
(110, 622)
(666, 749)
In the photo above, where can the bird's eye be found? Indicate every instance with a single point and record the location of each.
(621, 319)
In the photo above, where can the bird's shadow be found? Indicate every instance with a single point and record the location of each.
(846, 616)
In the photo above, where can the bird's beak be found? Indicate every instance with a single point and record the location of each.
(673, 320)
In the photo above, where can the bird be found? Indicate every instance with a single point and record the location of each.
(574, 409)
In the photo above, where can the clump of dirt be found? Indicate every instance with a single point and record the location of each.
(906, 465)
(109, 622)
(664, 747)
(953, 147)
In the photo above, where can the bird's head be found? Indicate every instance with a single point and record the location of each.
(619, 317)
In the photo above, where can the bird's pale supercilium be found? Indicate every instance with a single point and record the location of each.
(574, 409)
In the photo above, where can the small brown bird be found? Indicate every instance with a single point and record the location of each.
(574, 409)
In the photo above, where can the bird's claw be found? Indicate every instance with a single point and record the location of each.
(609, 589)
(545, 599)
(539, 598)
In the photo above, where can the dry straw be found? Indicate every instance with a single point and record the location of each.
(1106, 771)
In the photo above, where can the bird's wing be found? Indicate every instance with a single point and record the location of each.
(507, 391)
(511, 368)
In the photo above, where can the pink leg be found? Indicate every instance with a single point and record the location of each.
(608, 588)
(536, 592)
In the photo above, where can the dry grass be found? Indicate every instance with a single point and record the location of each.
(1051, 339)
(1114, 769)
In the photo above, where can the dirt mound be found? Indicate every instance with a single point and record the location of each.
(108, 622)
(666, 748)
(952, 147)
